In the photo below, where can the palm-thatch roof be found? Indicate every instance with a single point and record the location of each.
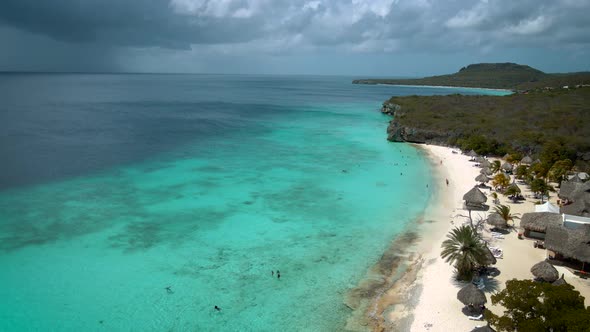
(486, 171)
(479, 159)
(471, 295)
(507, 166)
(579, 196)
(496, 220)
(573, 243)
(489, 258)
(578, 177)
(567, 189)
(538, 221)
(560, 281)
(545, 271)
(482, 178)
(526, 160)
(472, 153)
(485, 163)
(515, 186)
(475, 197)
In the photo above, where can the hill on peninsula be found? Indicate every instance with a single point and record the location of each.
(527, 123)
(494, 76)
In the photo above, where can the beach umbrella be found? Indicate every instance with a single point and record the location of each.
(485, 163)
(515, 186)
(486, 171)
(471, 295)
(545, 271)
(475, 196)
(472, 154)
(526, 160)
(560, 281)
(482, 178)
(489, 258)
(479, 159)
(507, 166)
(496, 220)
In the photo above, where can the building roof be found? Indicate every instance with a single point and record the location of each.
(578, 194)
(573, 243)
(539, 221)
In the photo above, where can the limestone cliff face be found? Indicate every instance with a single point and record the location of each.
(396, 132)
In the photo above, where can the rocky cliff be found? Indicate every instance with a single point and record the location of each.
(397, 132)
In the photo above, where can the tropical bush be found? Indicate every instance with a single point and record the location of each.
(535, 307)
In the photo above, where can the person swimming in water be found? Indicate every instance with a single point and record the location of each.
(217, 308)
(169, 290)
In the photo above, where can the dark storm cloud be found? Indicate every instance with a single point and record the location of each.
(138, 23)
(175, 33)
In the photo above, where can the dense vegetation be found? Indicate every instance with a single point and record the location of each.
(549, 125)
(493, 75)
(536, 306)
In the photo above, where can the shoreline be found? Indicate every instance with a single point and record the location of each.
(447, 87)
(385, 298)
(423, 297)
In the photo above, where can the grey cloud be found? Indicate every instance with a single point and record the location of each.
(117, 28)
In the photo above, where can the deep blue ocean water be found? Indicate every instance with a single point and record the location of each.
(115, 187)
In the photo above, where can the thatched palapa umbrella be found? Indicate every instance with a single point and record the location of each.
(485, 163)
(489, 258)
(545, 271)
(475, 197)
(560, 281)
(479, 159)
(486, 328)
(472, 154)
(482, 178)
(526, 160)
(507, 166)
(515, 186)
(471, 295)
(496, 220)
(487, 171)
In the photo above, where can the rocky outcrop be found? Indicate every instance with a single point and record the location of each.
(396, 132)
(390, 108)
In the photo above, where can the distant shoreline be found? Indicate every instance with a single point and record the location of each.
(444, 87)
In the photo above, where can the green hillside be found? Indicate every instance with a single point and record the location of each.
(493, 75)
(498, 124)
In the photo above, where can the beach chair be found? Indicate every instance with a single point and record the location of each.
(480, 317)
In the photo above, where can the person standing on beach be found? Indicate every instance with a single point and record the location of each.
(447, 180)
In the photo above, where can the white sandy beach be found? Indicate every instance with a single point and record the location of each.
(431, 295)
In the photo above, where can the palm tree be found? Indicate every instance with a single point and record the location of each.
(504, 212)
(496, 166)
(500, 181)
(465, 250)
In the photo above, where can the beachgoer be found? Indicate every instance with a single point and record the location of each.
(278, 274)
(169, 289)
(272, 273)
(447, 181)
(217, 308)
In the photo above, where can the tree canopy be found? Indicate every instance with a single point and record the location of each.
(533, 307)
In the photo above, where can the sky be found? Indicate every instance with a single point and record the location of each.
(326, 37)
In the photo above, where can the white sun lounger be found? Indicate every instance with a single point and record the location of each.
(480, 317)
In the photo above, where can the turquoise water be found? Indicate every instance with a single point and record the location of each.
(292, 175)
